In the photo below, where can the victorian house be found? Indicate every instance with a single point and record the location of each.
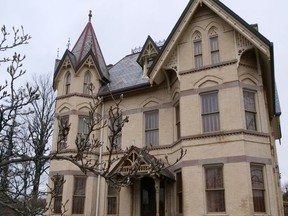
(209, 89)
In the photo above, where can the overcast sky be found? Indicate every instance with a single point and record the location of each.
(121, 25)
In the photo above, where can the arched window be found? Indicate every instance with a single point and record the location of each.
(67, 83)
(214, 46)
(87, 81)
(197, 42)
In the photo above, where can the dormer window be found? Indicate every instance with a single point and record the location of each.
(67, 83)
(197, 42)
(214, 46)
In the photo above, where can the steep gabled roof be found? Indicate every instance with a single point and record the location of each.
(86, 42)
(256, 38)
(142, 162)
(149, 48)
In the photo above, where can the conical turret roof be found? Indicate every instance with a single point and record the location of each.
(86, 42)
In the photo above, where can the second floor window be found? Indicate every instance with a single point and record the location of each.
(63, 132)
(67, 83)
(87, 81)
(151, 128)
(116, 132)
(210, 112)
(83, 127)
(250, 109)
(215, 194)
(78, 203)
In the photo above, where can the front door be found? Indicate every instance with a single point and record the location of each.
(148, 197)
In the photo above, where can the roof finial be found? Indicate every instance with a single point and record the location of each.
(90, 15)
(68, 44)
(58, 53)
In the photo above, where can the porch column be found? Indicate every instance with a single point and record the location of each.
(157, 190)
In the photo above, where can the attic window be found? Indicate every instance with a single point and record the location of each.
(214, 46)
(197, 42)
(67, 83)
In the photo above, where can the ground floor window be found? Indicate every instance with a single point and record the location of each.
(258, 187)
(215, 193)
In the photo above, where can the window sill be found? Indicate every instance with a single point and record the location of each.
(261, 214)
(216, 214)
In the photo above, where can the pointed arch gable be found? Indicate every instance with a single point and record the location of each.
(65, 107)
(208, 81)
(248, 79)
(150, 102)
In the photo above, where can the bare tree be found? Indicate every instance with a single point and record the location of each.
(26, 125)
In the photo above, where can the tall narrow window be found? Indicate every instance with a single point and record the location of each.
(151, 128)
(197, 49)
(78, 203)
(112, 200)
(83, 126)
(177, 119)
(116, 132)
(258, 188)
(215, 196)
(179, 191)
(210, 112)
(58, 193)
(87, 81)
(215, 55)
(250, 109)
(67, 83)
(214, 46)
(63, 132)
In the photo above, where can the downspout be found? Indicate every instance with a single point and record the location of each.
(100, 161)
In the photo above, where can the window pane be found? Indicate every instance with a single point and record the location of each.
(83, 127)
(177, 117)
(215, 57)
(78, 205)
(152, 137)
(215, 201)
(112, 205)
(197, 48)
(249, 101)
(179, 192)
(259, 201)
(214, 43)
(79, 185)
(198, 61)
(250, 121)
(209, 103)
(214, 177)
